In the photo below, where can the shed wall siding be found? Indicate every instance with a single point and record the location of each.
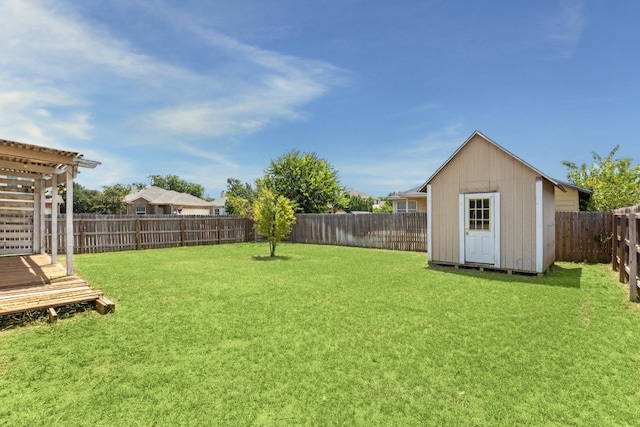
(482, 167)
(549, 237)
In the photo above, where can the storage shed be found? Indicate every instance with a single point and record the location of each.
(488, 208)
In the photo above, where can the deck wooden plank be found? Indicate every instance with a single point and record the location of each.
(56, 302)
(31, 282)
(40, 287)
(28, 269)
(44, 295)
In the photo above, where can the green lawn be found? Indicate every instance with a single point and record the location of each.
(221, 335)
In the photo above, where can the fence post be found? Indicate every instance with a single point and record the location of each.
(83, 246)
(633, 257)
(138, 243)
(614, 242)
(183, 232)
(621, 248)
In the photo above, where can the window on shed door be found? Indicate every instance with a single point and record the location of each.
(479, 214)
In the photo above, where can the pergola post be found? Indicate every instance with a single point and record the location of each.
(54, 219)
(69, 220)
(38, 207)
(41, 216)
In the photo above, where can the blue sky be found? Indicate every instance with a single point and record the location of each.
(385, 91)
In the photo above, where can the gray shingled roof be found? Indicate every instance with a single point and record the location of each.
(159, 196)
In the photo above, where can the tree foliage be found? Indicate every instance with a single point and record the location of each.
(112, 199)
(386, 205)
(614, 182)
(309, 182)
(240, 198)
(84, 200)
(359, 204)
(173, 182)
(273, 216)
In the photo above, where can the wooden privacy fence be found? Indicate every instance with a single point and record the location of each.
(404, 231)
(580, 236)
(583, 236)
(110, 233)
(625, 251)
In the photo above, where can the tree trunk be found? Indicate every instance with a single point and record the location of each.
(272, 248)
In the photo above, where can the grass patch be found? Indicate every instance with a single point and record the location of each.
(321, 335)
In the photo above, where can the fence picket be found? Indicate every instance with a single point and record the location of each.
(406, 232)
(626, 227)
(108, 233)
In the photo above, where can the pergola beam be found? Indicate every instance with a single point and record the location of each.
(43, 167)
(69, 225)
(36, 154)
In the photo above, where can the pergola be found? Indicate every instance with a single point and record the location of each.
(26, 172)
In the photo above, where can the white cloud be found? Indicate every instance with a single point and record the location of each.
(219, 159)
(564, 29)
(408, 166)
(114, 169)
(63, 64)
(49, 39)
(448, 138)
(267, 86)
(35, 110)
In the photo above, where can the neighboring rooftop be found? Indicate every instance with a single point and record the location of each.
(159, 196)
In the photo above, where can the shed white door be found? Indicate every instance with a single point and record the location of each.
(480, 227)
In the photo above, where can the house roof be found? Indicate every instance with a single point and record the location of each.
(354, 193)
(33, 161)
(413, 192)
(423, 187)
(159, 196)
(220, 202)
(582, 192)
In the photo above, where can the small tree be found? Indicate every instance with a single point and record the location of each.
(613, 182)
(273, 217)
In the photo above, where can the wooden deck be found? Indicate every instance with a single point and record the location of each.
(30, 282)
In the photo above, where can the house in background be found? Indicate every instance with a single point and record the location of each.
(48, 201)
(409, 201)
(218, 205)
(158, 201)
(376, 203)
(573, 199)
(488, 208)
